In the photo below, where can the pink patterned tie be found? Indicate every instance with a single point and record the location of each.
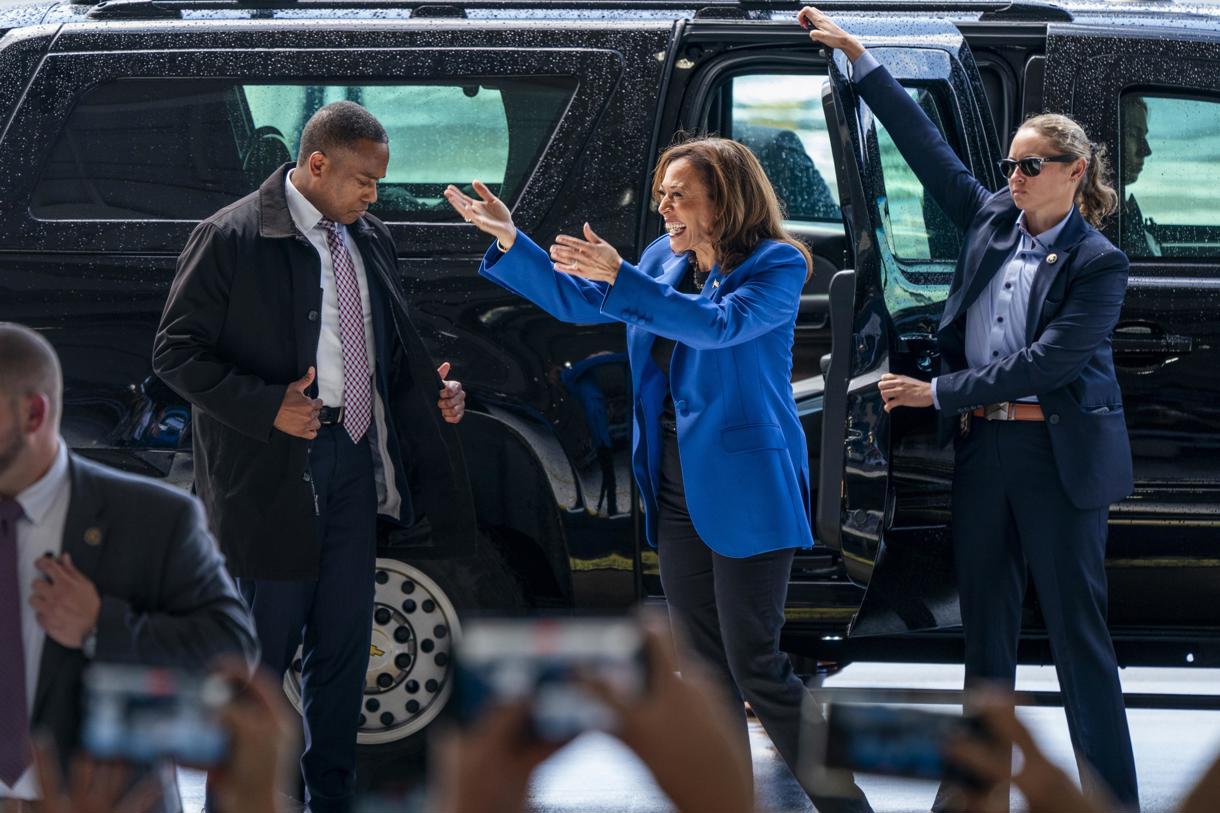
(14, 721)
(357, 397)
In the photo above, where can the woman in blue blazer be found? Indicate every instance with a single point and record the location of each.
(1027, 387)
(717, 449)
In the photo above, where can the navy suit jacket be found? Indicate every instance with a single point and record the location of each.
(1074, 304)
(744, 460)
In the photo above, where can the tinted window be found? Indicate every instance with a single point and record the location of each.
(915, 226)
(779, 117)
(181, 149)
(1169, 176)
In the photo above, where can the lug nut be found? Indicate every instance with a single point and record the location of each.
(385, 681)
(408, 587)
(363, 721)
(402, 660)
(372, 704)
(426, 645)
(412, 686)
(402, 635)
(387, 719)
(440, 631)
(408, 606)
(429, 605)
(412, 707)
(382, 577)
(382, 616)
(442, 659)
(431, 686)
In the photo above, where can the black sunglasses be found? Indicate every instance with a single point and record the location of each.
(1032, 165)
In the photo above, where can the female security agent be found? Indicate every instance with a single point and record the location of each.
(1028, 390)
(718, 452)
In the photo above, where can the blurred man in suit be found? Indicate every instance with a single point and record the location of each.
(94, 565)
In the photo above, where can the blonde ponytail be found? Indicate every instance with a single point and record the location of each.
(1095, 195)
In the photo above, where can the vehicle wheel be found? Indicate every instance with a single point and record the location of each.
(417, 611)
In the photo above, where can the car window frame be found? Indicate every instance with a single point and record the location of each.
(65, 77)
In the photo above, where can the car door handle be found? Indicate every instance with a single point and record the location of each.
(1143, 342)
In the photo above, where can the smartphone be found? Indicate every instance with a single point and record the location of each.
(144, 715)
(885, 739)
(542, 661)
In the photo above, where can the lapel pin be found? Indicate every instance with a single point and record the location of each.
(93, 536)
(715, 283)
(1051, 259)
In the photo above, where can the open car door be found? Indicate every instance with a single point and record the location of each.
(884, 484)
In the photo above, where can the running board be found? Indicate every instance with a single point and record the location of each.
(954, 697)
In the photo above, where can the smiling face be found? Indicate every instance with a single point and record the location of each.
(1051, 189)
(683, 199)
(342, 183)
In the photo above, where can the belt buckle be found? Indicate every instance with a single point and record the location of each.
(999, 412)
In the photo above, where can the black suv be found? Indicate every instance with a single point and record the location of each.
(126, 122)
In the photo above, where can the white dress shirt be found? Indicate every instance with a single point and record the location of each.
(329, 369)
(39, 532)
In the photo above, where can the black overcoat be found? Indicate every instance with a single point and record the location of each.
(241, 323)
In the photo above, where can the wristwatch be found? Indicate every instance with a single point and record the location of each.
(88, 645)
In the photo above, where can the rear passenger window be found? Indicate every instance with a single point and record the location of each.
(1169, 176)
(779, 117)
(174, 149)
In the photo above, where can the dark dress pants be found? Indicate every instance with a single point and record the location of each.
(729, 613)
(1010, 512)
(331, 617)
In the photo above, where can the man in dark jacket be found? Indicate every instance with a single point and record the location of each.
(94, 565)
(315, 413)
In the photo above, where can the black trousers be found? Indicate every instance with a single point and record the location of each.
(729, 613)
(331, 617)
(1010, 514)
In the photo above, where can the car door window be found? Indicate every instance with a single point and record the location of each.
(779, 117)
(1169, 176)
(172, 149)
(917, 231)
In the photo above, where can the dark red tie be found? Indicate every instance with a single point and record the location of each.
(14, 718)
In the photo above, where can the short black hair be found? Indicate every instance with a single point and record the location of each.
(339, 124)
(28, 364)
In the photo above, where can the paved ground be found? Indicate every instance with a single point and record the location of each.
(597, 775)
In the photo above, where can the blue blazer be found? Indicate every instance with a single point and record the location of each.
(744, 460)
(1074, 304)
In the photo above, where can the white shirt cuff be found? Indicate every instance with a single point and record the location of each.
(935, 399)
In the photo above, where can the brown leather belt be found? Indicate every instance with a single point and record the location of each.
(1010, 411)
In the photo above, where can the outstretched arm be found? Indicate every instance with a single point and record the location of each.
(942, 173)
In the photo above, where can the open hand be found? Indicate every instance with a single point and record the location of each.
(824, 31)
(298, 415)
(489, 214)
(66, 604)
(592, 258)
(93, 787)
(904, 391)
(262, 739)
(452, 403)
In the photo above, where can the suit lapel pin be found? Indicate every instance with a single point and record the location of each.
(93, 536)
(1051, 259)
(715, 283)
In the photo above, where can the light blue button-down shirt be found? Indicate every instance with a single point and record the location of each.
(995, 321)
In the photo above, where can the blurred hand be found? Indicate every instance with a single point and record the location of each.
(824, 31)
(452, 402)
(487, 768)
(261, 744)
(681, 730)
(298, 415)
(592, 258)
(93, 787)
(1046, 788)
(490, 214)
(66, 604)
(904, 391)
(1205, 797)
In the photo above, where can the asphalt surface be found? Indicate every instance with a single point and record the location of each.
(595, 774)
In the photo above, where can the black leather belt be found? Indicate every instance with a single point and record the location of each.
(329, 416)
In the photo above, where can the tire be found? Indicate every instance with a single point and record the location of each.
(417, 612)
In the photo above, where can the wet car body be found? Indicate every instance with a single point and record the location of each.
(594, 90)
